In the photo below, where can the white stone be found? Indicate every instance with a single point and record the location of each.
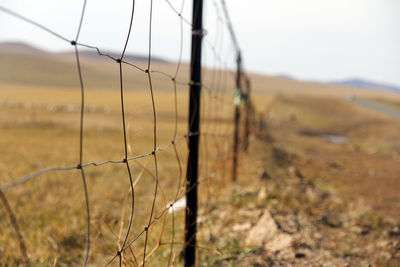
(265, 233)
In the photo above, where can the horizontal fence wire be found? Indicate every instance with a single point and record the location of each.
(218, 100)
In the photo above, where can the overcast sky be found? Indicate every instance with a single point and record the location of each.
(308, 39)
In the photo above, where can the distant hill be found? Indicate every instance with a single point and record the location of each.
(361, 83)
(285, 76)
(20, 48)
(92, 54)
(26, 49)
(353, 83)
(23, 64)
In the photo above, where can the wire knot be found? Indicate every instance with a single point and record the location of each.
(119, 60)
(79, 166)
(119, 253)
(73, 42)
(146, 71)
(125, 160)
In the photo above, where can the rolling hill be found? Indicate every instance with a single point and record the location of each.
(362, 83)
(22, 64)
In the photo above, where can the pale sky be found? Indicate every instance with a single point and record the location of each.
(319, 40)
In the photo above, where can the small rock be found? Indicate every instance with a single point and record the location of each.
(265, 233)
(300, 255)
(249, 213)
(311, 194)
(223, 214)
(396, 255)
(262, 194)
(366, 229)
(295, 173)
(317, 235)
(278, 242)
(335, 165)
(383, 243)
(331, 220)
(356, 229)
(265, 175)
(394, 232)
(290, 224)
(241, 227)
(385, 255)
(264, 230)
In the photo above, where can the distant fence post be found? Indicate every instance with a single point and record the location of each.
(194, 136)
(248, 115)
(238, 96)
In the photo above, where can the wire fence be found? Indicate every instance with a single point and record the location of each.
(149, 227)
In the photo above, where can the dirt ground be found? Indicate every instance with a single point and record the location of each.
(368, 166)
(336, 201)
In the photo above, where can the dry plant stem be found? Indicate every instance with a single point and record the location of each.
(144, 168)
(14, 223)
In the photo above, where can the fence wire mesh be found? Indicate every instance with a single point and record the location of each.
(128, 207)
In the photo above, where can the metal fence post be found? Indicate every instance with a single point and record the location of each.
(248, 114)
(193, 139)
(238, 96)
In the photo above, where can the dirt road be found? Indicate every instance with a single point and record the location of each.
(378, 107)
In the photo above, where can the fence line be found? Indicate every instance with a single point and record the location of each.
(214, 93)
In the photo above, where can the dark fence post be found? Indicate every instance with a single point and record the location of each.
(194, 136)
(248, 114)
(238, 96)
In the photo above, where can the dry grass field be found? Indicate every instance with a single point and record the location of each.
(40, 119)
(339, 205)
(38, 131)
